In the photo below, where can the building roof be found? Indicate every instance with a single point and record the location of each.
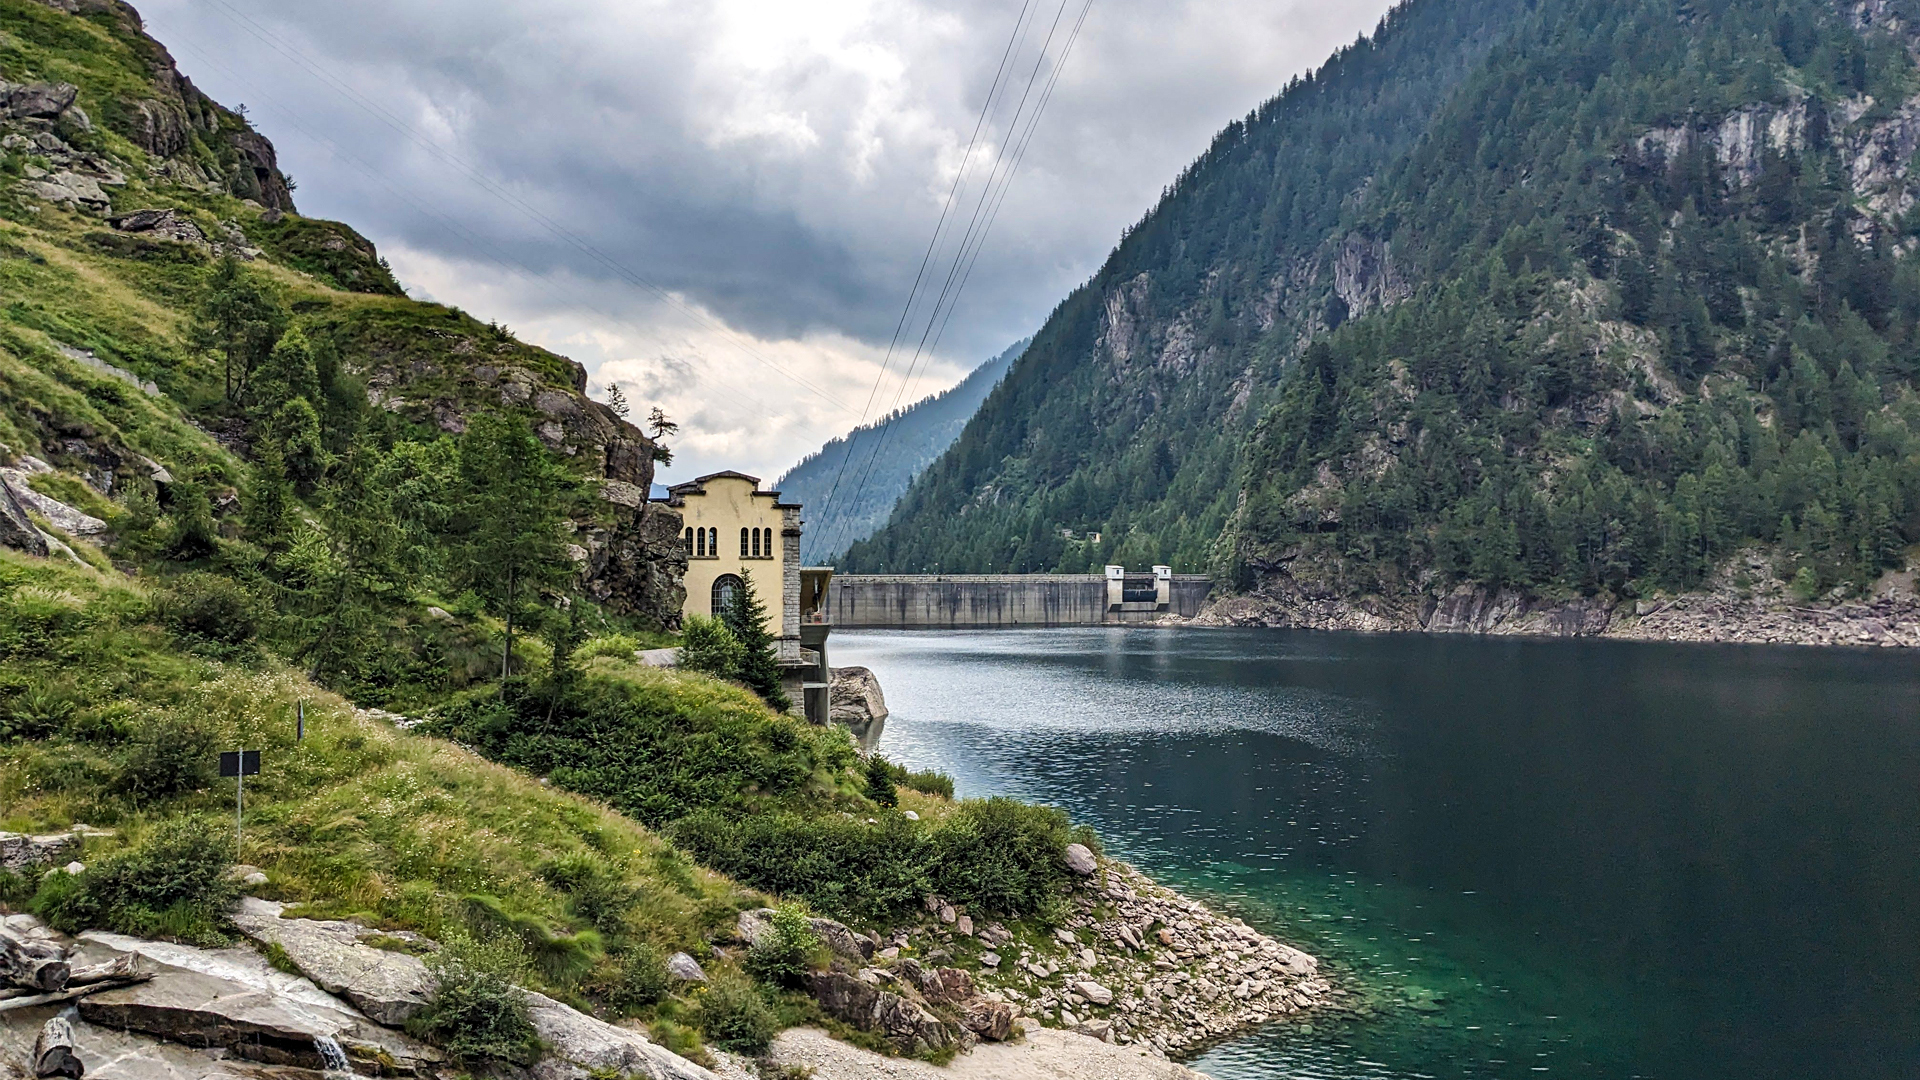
(698, 486)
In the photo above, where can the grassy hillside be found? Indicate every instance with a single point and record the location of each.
(1632, 288)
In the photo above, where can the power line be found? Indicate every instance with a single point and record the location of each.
(988, 197)
(966, 160)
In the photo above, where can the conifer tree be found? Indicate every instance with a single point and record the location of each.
(510, 519)
(746, 617)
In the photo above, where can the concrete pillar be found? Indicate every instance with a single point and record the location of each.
(1163, 587)
(1116, 586)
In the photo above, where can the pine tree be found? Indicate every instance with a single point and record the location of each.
(746, 617)
(241, 319)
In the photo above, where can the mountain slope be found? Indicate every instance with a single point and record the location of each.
(1125, 415)
(1642, 295)
(849, 485)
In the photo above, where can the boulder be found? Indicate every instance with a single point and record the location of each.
(837, 937)
(58, 514)
(17, 531)
(389, 987)
(856, 701)
(989, 1019)
(579, 1046)
(903, 1022)
(36, 101)
(685, 968)
(1080, 860)
(163, 225)
(1093, 992)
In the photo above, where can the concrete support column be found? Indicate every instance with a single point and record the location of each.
(1163, 587)
(1116, 586)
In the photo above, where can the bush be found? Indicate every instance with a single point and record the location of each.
(930, 783)
(169, 757)
(174, 884)
(840, 866)
(642, 980)
(707, 646)
(734, 1016)
(477, 1013)
(211, 608)
(785, 954)
(1004, 856)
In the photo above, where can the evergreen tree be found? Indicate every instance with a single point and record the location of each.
(510, 519)
(242, 319)
(746, 618)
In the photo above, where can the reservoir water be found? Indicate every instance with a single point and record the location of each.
(1528, 858)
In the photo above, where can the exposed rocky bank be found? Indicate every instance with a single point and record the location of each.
(1745, 603)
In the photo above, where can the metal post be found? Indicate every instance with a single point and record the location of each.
(300, 725)
(239, 802)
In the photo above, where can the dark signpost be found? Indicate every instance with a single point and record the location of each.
(239, 764)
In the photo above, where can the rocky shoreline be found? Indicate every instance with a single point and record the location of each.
(1744, 603)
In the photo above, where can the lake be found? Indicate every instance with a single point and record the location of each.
(1559, 858)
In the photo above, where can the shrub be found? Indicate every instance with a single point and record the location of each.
(211, 608)
(840, 866)
(880, 782)
(785, 954)
(930, 783)
(561, 958)
(1004, 856)
(620, 645)
(173, 884)
(34, 713)
(169, 757)
(707, 646)
(477, 1013)
(734, 1016)
(642, 980)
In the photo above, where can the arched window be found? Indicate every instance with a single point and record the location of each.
(768, 535)
(756, 543)
(726, 588)
(689, 541)
(699, 543)
(713, 542)
(743, 543)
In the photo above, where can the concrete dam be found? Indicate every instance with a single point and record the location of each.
(1001, 601)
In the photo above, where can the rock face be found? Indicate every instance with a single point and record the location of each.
(905, 1023)
(637, 565)
(20, 852)
(579, 1047)
(58, 514)
(1745, 602)
(857, 703)
(389, 987)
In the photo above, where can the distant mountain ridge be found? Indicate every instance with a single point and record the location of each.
(905, 442)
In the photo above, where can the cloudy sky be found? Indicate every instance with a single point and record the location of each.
(722, 204)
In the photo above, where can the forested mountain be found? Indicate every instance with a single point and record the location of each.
(1569, 297)
(849, 486)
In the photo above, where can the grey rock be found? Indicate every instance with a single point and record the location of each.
(1093, 992)
(855, 700)
(17, 531)
(991, 1020)
(164, 225)
(67, 186)
(20, 851)
(685, 968)
(905, 1023)
(579, 1046)
(36, 101)
(389, 987)
(837, 937)
(58, 514)
(1080, 860)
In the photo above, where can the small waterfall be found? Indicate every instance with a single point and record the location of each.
(333, 1057)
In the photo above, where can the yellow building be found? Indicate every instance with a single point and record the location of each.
(736, 532)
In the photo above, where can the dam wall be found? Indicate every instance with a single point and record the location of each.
(997, 601)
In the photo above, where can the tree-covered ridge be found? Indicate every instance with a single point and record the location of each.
(1124, 416)
(1642, 294)
(850, 485)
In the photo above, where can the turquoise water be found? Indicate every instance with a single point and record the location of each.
(1573, 859)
